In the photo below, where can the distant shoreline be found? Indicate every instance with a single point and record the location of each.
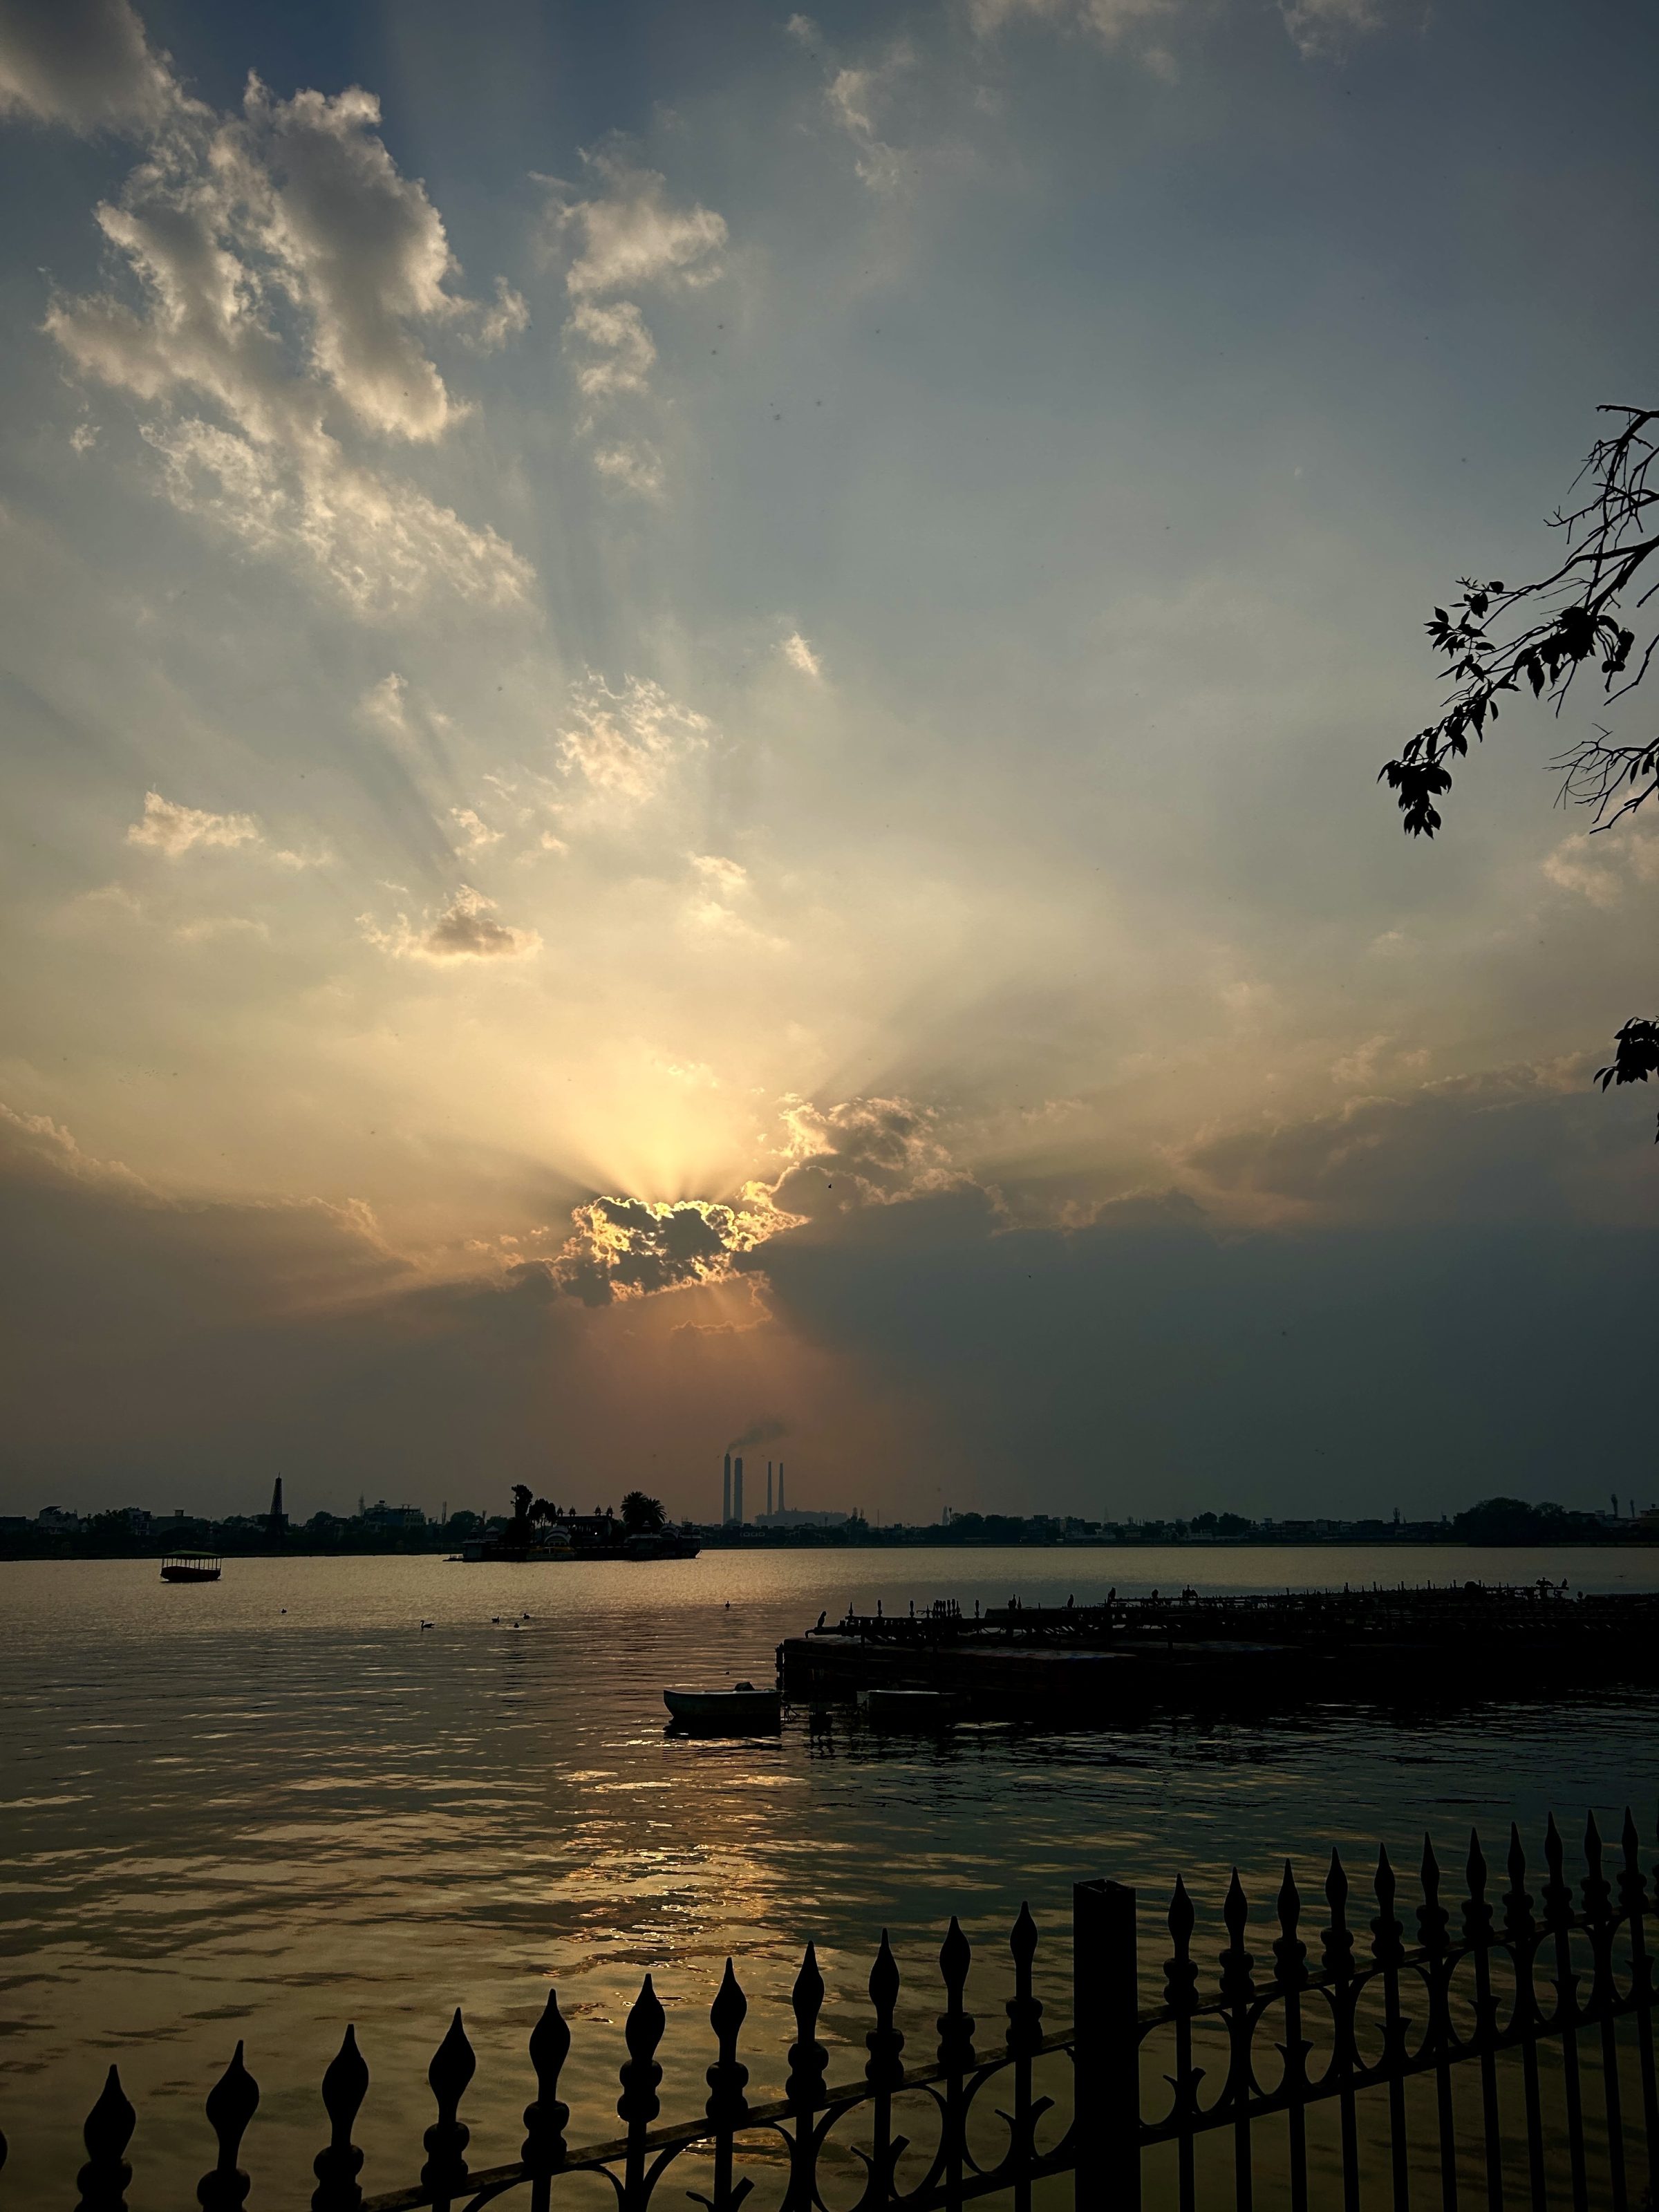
(66, 1550)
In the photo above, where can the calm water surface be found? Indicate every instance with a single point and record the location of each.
(265, 1806)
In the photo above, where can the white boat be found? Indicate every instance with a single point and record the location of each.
(723, 1712)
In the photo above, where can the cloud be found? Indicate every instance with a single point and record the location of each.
(476, 833)
(1106, 20)
(463, 930)
(837, 1161)
(800, 655)
(728, 878)
(82, 63)
(629, 234)
(630, 1247)
(1324, 29)
(1320, 29)
(854, 94)
(614, 351)
(204, 928)
(499, 325)
(634, 464)
(1603, 868)
(626, 744)
(284, 270)
(1522, 1143)
(861, 1153)
(175, 831)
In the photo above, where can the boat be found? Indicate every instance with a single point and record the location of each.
(192, 1567)
(741, 1711)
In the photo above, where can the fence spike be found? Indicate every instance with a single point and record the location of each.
(1632, 1890)
(885, 2069)
(345, 2084)
(452, 2067)
(808, 2059)
(1024, 2009)
(1432, 1918)
(232, 2102)
(1598, 1891)
(545, 2118)
(1558, 1891)
(1236, 1984)
(1477, 1914)
(955, 2024)
(1181, 1974)
(1387, 1932)
(103, 2179)
(1518, 1923)
(1290, 1953)
(638, 2103)
(727, 2078)
(730, 2008)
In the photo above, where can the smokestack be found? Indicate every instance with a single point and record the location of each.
(779, 1486)
(726, 1492)
(769, 1487)
(277, 1521)
(737, 1490)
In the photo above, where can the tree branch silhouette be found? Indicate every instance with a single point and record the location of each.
(1586, 612)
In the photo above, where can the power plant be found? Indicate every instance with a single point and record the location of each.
(779, 1513)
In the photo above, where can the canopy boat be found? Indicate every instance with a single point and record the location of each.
(192, 1567)
(725, 1712)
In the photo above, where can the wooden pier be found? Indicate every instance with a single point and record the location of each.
(1130, 1655)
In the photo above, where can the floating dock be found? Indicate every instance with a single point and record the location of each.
(1132, 1656)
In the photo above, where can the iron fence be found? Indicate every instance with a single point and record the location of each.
(1530, 2020)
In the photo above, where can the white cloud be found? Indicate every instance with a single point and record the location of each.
(476, 833)
(613, 351)
(633, 465)
(283, 267)
(853, 95)
(626, 743)
(629, 234)
(728, 878)
(360, 249)
(175, 831)
(205, 928)
(797, 652)
(507, 320)
(1601, 869)
(464, 930)
(83, 63)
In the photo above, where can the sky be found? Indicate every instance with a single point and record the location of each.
(690, 698)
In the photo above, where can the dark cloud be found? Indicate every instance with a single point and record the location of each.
(84, 63)
(628, 1248)
(1158, 1358)
(1508, 1144)
(864, 1151)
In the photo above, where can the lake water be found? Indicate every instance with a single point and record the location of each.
(263, 1807)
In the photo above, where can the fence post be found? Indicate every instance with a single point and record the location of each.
(1105, 2013)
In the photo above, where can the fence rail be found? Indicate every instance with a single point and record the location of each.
(1471, 2008)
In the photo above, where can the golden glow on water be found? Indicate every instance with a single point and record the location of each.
(226, 1819)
